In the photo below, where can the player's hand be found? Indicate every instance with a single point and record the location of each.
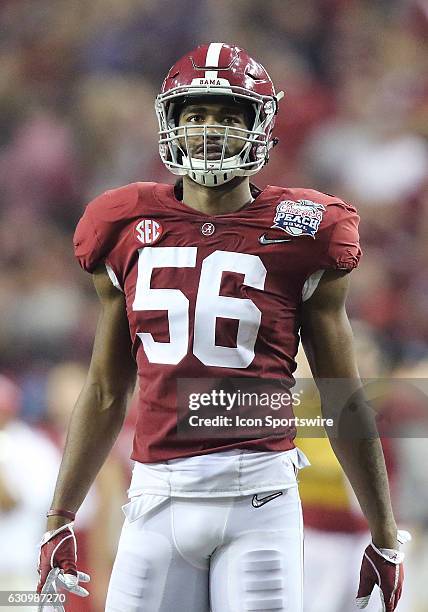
(57, 563)
(384, 569)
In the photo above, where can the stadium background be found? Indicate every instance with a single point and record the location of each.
(77, 84)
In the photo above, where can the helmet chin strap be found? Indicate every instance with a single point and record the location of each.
(212, 177)
(208, 179)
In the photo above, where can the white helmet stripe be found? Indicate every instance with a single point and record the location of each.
(213, 56)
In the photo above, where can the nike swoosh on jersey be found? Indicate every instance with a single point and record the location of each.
(265, 240)
(260, 501)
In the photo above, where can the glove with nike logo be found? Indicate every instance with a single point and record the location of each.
(57, 563)
(384, 568)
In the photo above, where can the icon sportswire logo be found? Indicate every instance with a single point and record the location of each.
(265, 240)
(261, 501)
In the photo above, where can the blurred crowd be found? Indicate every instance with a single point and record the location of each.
(77, 86)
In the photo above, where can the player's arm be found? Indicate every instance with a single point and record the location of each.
(94, 426)
(100, 409)
(328, 342)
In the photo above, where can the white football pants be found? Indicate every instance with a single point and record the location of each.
(202, 555)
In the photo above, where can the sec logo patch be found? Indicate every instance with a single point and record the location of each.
(148, 231)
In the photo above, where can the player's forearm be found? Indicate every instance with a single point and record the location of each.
(357, 446)
(363, 462)
(94, 426)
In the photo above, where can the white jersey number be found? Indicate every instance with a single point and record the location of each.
(209, 306)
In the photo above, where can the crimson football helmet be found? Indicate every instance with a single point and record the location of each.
(223, 70)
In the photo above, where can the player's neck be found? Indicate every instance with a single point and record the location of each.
(217, 200)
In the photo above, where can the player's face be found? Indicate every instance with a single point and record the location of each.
(199, 114)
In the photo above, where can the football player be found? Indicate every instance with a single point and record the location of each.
(214, 278)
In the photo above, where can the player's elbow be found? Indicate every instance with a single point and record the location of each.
(108, 396)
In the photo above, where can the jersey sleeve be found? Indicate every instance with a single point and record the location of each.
(342, 250)
(98, 229)
(87, 246)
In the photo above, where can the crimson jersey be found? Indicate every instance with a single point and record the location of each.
(211, 296)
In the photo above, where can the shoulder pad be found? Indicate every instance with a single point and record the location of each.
(103, 218)
(335, 227)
